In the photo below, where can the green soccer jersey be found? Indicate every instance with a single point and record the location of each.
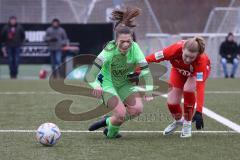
(115, 66)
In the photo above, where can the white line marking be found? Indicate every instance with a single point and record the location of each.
(27, 93)
(123, 131)
(221, 119)
(206, 111)
(222, 92)
(218, 118)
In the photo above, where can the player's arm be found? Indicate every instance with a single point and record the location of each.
(144, 70)
(155, 57)
(166, 54)
(201, 77)
(200, 96)
(92, 75)
(201, 74)
(147, 76)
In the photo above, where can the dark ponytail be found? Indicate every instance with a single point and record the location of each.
(124, 22)
(125, 17)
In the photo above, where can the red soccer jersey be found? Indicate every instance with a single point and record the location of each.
(200, 68)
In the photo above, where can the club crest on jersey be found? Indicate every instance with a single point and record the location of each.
(199, 76)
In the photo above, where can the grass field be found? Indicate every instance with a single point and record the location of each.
(24, 105)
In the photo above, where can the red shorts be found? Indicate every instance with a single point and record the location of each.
(177, 80)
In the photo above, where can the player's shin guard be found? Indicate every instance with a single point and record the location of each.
(189, 102)
(112, 129)
(175, 110)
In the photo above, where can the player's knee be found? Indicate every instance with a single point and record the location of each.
(190, 86)
(136, 110)
(189, 89)
(117, 119)
(174, 96)
(174, 99)
(139, 111)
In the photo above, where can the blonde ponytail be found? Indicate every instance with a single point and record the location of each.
(196, 44)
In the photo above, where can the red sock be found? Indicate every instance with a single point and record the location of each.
(175, 110)
(189, 102)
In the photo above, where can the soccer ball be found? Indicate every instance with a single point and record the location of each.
(48, 134)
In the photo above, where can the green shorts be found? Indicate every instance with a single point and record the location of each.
(122, 92)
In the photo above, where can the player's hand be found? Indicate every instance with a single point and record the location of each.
(199, 120)
(97, 92)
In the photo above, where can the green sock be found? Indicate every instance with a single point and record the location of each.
(112, 129)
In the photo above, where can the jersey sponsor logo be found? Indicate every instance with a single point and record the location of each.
(184, 72)
(199, 76)
(159, 55)
(120, 72)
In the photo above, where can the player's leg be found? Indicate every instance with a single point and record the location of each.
(112, 122)
(174, 100)
(118, 116)
(132, 102)
(134, 105)
(131, 99)
(113, 101)
(189, 97)
(189, 102)
(173, 103)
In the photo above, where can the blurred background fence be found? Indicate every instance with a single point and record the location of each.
(162, 21)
